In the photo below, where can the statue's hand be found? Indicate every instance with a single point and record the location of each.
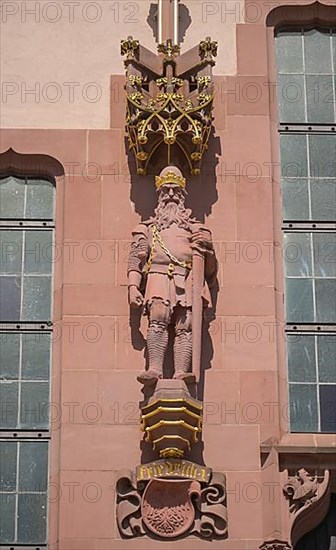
(201, 241)
(135, 298)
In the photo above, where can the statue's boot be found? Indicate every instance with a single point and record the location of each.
(157, 341)
(182, 356)
(148, 377)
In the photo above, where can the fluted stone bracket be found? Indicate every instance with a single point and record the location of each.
(166, 508)
(169, 102)
(172, 420)
(308, 497)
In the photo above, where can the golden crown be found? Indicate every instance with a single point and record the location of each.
(170, 177)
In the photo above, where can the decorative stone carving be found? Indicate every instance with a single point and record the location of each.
(308, 497)
(167, 106)
(301, 490)
(275, 545)
(167, 508)
(171, 508)
(171, 267)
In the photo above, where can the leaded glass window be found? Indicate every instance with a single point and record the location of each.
(306, 65)
(26, 248)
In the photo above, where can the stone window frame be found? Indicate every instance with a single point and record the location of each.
(285, 17)
(311, 228)
(39, 435)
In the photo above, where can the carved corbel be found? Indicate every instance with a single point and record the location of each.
(308, 497)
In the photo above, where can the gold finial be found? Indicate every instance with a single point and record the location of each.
(169, 50)
(129, 47)
(207, 49)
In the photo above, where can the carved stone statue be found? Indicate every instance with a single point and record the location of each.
(162, 277)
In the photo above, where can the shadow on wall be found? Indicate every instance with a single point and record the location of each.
(202, 191)
(184, 21)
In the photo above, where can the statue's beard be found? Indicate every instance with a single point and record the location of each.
(171, 212)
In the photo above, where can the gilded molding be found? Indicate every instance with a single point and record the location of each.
(171, 430)
(165, 108)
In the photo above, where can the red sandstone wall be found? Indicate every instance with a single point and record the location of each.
(95, 363)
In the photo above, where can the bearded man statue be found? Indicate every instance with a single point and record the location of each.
(160, 275)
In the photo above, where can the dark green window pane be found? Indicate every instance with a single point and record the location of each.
(33, 474)
(323, 198)
(35, 356)
(297, 255)
(36, 298)
(328, 408)
(299, 301)
(34, 405)
(32, 515)
(40, 200)
(289, 52)
(8, 404)
(11, 252)
(7, 518)
(295, 200)
(293, 156)
(317, 51)
(38, 252)
(8, 452)
(322, 149)
(320, 98)
(10, 296)
(291, 98)
(324, 254)
(303, 407)
(9, 356)
(301, 358)
(12, 192)
(325, 290)
(326, 350)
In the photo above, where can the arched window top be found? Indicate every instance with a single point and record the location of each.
(26, 198)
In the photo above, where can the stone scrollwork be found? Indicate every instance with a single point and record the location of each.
(129, 505)
(170, 508)
(212, 521)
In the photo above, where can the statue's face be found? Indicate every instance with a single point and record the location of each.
(171, 193)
